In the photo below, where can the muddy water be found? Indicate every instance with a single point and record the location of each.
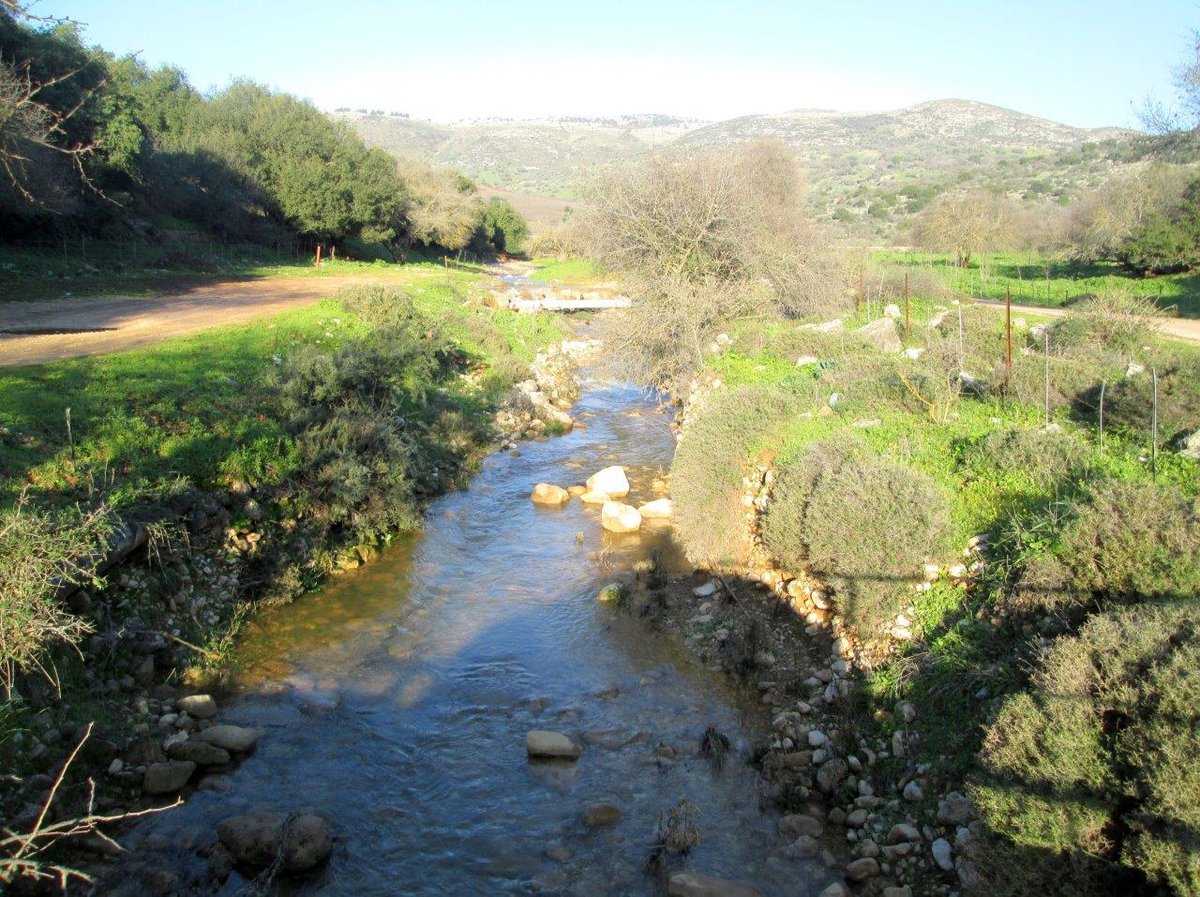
(396, 703)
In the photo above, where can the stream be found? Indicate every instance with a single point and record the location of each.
(396, 703)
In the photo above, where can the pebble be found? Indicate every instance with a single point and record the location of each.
(862, 869)
(942, 854)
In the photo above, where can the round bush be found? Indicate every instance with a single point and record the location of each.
(1099, 757)
(1129, 401)
(706, 475)
(868, 523)
(1044, 456)
(784, 524)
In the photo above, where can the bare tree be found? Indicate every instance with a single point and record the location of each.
(704, 239)
(1159, 118)
(966, 223)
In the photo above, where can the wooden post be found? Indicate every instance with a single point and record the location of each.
(862, 289)
(1007, 336)
(318, 263)
(1154, 428)
(1047, 387)
(70, 437)
(1103, 387)
(906, 306)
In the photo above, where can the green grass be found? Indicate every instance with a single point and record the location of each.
(186, 406)
(1041, 280)
(572, 272)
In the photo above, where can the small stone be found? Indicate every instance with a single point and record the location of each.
(817, 738)
(707, 590)
(862, 869)
(198, 706)
(620, 518)
(912, 792)
(906, 711)
(232, 738)
(550, 745)
(831, 774)
(116, 766)
(549, 494)
(903, 831)
(837, 889)
(659, 509)
(611, 480)
(610, 593)
(943, 854)
(954, 809)
(693, 884)
(199, 752)
(795, 825)
(167, 778)
(599, 815)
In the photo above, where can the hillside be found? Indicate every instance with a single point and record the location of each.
(869, 171)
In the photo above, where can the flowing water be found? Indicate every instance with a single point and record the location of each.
(396, 703)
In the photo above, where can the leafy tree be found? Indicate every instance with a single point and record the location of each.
(502, 226)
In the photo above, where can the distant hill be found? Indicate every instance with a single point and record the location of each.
(868, 171)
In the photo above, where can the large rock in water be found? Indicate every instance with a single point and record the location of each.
(549, 494)
(610, 480)
(595, 498)
(231, 738)
(619, 518)
(199, 706)
(693, 884)
(659, 509)
(167, 778)
(550, 745)
(883, 335)
(255, 839)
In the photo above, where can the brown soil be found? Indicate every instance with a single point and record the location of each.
(51, 330)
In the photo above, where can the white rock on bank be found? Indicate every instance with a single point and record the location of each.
(611, 480)
(619, 518)
(659, 509)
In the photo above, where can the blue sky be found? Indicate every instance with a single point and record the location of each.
(1082, 63)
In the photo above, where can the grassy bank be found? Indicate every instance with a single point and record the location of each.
(981, 538)
(1038, 279)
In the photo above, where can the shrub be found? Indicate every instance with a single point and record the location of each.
(1129, 401)
(1117, 322)
(39, 551)
(1135, 541)
(866, 522)
(1098, 758)
(1044, 456)
(784, 531)
(1127, 542)
(706, 475)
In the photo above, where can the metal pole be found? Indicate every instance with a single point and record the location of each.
(1154, 428)
(1007, 336)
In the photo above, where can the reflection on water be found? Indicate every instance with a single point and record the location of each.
(396, 702)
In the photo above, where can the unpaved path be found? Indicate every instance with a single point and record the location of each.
(51, 330)
(1187, 329)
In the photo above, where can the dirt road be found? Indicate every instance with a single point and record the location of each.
(51, 330)
(1187, 329)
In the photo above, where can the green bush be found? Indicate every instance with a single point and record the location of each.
(866, 522)
(1127, 542)
(1098, 759)
(1043, 456)
(784, 526)
(39, 551)
(706, 475)
(1129, 401)
(1135, 541)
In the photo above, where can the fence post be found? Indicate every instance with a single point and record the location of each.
(1007, 337)
(1154, 427)
(1047, 388)
(907, 327)
(1103, 387)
